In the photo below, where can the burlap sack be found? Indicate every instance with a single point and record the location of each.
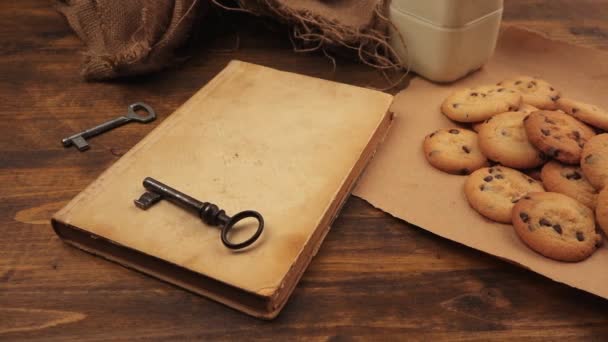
(126, 38)
(134, 37)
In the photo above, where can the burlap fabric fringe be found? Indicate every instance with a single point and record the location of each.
(360, 25)
(134, 37)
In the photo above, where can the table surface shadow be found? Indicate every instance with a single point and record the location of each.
(375, 277)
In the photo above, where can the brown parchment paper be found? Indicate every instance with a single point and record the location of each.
(400, 182)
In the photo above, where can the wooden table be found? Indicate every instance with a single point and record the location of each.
(375, 276)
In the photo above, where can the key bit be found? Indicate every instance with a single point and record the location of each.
(79, 139)
(209, 213)
(147, 200)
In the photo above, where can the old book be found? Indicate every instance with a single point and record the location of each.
(286, 145)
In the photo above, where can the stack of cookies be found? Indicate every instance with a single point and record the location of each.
(534, 159)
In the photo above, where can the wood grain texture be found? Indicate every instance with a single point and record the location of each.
(374, 278)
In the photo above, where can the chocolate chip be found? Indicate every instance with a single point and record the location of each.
(464, 171)
(524, 217)
(533, 82)
(549, 121)
(589, 159)
(482, 187)
(557, 228)
(483, 95)
(504, 132)
(517, 82)
(529, 85)
(555, 98)
(545, 132)
(466, 149)
(553, 152)
(576, 135)
(474, 94)
(510, 109)
(580, 236)
(454, 131)
(499, 176)
(455, 105)
(551, 88)
(526, 118)
(488, 178)
(499, 83)
(574, 110)
(574, 175)
(500, 90)
(581, 144)
(544, 222)
(527, 197)
(490, 170)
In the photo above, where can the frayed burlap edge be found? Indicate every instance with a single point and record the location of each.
(312, 32)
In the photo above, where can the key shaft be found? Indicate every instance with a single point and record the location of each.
(79, 139)
(91, 132)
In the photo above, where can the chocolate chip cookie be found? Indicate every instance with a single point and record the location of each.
(556, 226)
(585, 112)
(601, 210)
(454, 150)
(594, 161)
(557, 135)
(478, 104)
(535, 91)
(476, 126)
(524, 108)
(503, 139)
(492, 191)
(570, 181)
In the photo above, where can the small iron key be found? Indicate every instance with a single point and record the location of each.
(209, 213)
(79, 139)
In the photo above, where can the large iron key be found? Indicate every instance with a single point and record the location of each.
(210, 213)
(79, 139)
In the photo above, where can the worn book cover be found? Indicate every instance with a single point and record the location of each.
(286, 145)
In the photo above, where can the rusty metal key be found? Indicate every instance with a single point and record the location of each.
(208, 212)
(79, 139)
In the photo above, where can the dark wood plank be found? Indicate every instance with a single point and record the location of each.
(375, 277)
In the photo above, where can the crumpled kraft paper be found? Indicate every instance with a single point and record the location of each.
(400, 182)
